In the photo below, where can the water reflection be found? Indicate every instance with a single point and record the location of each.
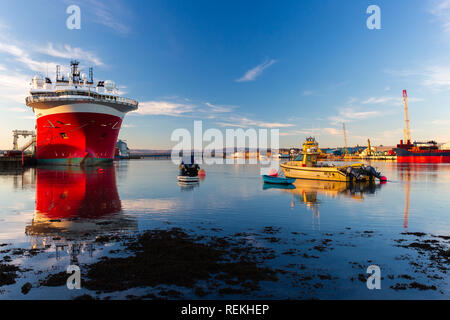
(188, 186)
(22, 178)
(309, 192)
(74, 207)
(407, 173)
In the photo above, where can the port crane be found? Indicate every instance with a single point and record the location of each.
(369, 150)
(407, 126)
(23, 133)
(345, 138)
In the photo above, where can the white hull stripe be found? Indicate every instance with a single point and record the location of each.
(79, 107)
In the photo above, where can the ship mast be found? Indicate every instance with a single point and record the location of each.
(75, 72)
(407, 127)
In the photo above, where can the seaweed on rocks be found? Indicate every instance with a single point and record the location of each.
(8, 274)
(173, 257)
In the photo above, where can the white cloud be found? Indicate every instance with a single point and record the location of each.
(394, 101)
(332, 131)
(311, 131)
(274, 125)
(350, 114)
(22, 56)
(163, 108)
(441, 122)
(13, 87)
(441, 10)
(176, 109)
(381, 100)
(314, 132)
(392, 135)
(244, 122)
(219, 108)
(252, 74)
(435, 77)
(68, 52)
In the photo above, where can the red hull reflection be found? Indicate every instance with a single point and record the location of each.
(76, 193)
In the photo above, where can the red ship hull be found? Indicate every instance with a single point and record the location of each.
(76, 138)
(427, 156)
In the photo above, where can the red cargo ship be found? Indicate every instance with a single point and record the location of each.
(421, 152)
(77, 122)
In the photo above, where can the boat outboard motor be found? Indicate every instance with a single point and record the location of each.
(371, 172)
(353, 172)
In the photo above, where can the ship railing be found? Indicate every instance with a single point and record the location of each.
(96, 97)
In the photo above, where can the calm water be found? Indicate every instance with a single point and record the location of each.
(63, 211)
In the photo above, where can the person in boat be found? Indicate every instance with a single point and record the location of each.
(189, 169)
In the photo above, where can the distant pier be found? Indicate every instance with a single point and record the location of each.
(16, 162)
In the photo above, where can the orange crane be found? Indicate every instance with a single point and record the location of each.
(407, 127)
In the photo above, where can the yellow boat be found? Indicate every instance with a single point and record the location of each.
(306, 166)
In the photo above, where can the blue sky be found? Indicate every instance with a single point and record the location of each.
(301, 66)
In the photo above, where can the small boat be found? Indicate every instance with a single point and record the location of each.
(190, 171)
(305, 166)
(283, 156)
(277, 180)
(187, 179)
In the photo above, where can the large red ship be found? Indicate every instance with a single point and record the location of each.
(77, 122)
(419, 152)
